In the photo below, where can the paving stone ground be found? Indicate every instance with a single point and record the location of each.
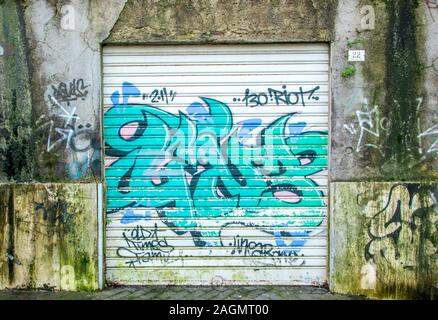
(184, 293)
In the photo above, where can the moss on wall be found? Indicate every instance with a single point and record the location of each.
(393, 81)
(16, 139)
(387, 146)
(386, 236)
(403, 82)
(52, 237)
(224, 21)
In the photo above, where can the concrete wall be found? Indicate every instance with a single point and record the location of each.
(50, 133)
(383, 113)
(224, 21)
(16, 113)
(64, 39)
(48, 236)
(384, 128)
(384, 239)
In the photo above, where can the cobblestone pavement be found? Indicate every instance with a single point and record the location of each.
(184, 293)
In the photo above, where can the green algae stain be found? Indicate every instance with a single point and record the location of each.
(78, 236)
(402, 87)
(16, 147)
(411, 274)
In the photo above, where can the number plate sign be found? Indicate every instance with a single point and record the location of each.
(356, 55)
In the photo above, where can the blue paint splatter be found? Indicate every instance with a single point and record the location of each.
(279, 241)
(248, 126)
(295, 129)
(130, 216)
(129, 90)
(115, 96)
(200, 113)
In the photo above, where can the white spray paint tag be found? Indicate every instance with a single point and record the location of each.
(356, 55)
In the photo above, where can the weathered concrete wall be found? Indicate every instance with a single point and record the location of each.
(50, 89)
(384, 239)
(17, 150)
(48, 236)
(50, 132)
(64, 40)
(381, 114)
(384, 124)
(224, 21)
(384, 128)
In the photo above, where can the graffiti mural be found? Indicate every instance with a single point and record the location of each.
(66, 130)
(209, 177)
(404, 231)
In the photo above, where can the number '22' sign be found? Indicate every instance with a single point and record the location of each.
(356, 55)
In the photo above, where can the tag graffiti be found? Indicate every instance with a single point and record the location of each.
(71, 91)
(143, 245)
(279, 97)
(407, 225)
(248, 248)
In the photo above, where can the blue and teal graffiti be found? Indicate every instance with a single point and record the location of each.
(194, 167)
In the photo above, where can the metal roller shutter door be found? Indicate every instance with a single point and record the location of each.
(216, 163)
